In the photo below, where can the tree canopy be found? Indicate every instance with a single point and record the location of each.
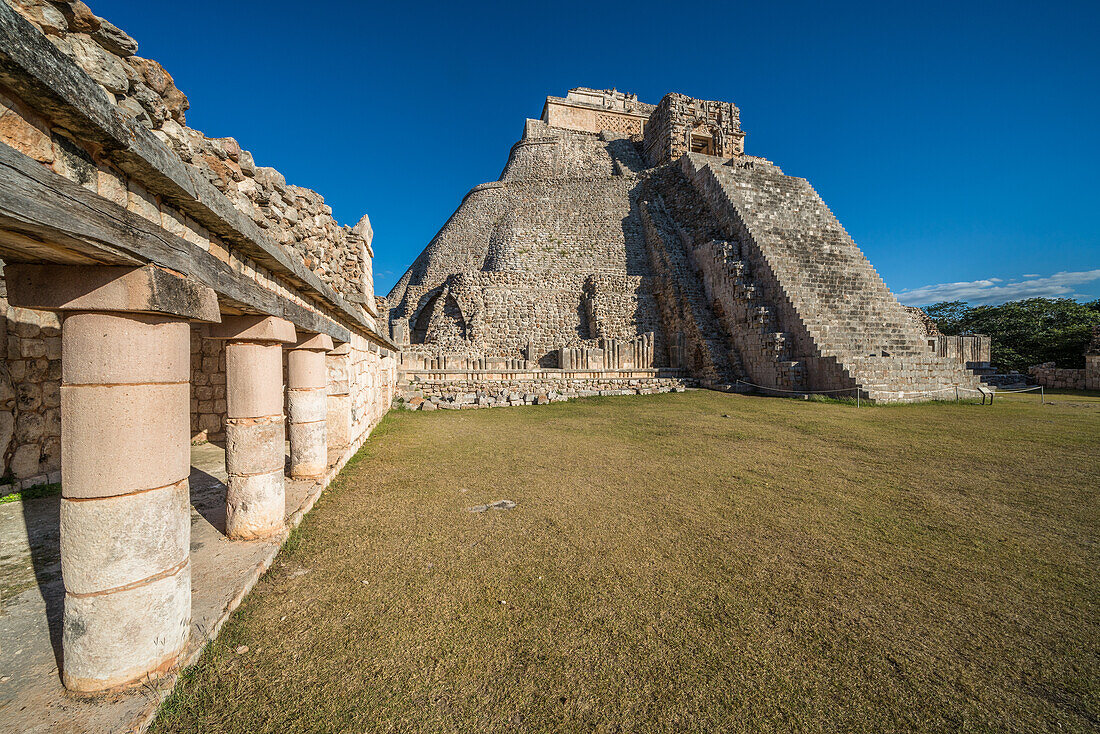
(1024, 333)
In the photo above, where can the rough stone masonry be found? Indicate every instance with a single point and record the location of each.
(630, 245)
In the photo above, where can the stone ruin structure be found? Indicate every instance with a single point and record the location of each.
(159, 286)
(636, 247)
(1051, 375)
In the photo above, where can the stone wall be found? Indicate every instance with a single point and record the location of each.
(30, 398)
(295, 217)
(373, 379)
(1049, 375)
(208, 406)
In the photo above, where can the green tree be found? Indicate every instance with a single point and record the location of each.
(1027, 332)
(948, 315)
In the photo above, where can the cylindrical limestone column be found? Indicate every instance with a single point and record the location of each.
(338, 418)
(125, 521)
(307, 399)
(125, 508)
(254, 424)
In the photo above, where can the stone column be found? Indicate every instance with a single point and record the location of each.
(125, 417)
(307, 383)
(254, 427)
(339, 396)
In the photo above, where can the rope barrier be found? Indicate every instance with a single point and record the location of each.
(1040, 388)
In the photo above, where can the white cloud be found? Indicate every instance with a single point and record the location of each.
(996, 290)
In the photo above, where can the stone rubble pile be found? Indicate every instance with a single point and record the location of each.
(489, 394)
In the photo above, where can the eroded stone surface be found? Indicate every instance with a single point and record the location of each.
(117, 541)
(117, 638)
(255, 505)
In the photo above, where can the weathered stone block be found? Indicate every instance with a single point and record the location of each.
(254, 448)
(117, 541)
(112, 639)
(307, 405)
(24, 462)
(156, 349)
(149, 438)
(255, 505)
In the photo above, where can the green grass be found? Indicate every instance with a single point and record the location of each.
(796, 566)
(30, 493)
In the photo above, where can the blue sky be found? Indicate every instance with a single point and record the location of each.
(957, 142)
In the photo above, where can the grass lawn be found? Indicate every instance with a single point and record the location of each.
(693, 562)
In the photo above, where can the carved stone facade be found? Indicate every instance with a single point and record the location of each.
(680, 124)
(596, 110)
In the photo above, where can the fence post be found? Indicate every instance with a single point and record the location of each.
(1042, 395)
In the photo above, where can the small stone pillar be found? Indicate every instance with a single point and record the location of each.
(255, 436)
(307, 398)
(338, 419)
(125, 520)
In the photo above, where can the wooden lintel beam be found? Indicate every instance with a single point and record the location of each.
(41, 207)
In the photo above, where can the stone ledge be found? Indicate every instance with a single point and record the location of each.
(147, 289)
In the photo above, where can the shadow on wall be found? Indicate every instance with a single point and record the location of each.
(637, 259)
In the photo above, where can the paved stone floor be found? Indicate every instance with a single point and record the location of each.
(31, 596)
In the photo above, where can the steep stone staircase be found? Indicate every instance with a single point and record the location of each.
(685, 307)
(832, 322)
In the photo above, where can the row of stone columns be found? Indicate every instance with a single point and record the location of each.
(125, 454)
(254, 427)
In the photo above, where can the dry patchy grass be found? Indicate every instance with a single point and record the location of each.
(795, 566)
